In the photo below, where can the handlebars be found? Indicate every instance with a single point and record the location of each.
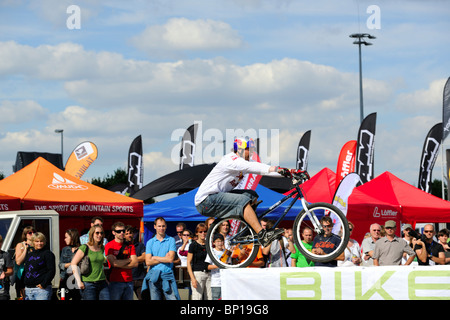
(300, 176)
(297, 176)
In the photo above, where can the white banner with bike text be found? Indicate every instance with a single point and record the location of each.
(341, 283)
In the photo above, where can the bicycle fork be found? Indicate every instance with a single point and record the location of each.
(312, 217)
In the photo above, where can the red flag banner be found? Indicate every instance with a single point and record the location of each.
(346, 161)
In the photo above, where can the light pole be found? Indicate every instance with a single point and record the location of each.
(359, 42)
(62, 139)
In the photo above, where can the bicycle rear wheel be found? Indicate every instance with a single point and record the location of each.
(241, 245)
(331, 248)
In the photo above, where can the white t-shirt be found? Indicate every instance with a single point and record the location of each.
(215, 273)
(227, 174)
(183, 259)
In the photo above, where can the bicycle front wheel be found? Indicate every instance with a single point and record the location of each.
(332, 245)
(240, 247)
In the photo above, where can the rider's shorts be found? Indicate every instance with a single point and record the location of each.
(226, 204)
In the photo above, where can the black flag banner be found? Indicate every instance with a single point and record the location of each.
(303, 151)
(447, 175)
(135, 167)
(429, 154)
(187, 151)
(365, 148)
(446, 110)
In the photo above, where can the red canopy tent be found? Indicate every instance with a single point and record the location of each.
(321, 186)
(387, 197)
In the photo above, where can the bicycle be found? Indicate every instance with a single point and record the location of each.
(242, 246)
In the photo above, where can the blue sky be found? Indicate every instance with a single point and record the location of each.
(151, 68)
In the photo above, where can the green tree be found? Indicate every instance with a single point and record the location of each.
(436, 189)
(120, 176)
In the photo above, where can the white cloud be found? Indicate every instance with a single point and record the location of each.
(20, 111)
(181, 34)
(429, 98)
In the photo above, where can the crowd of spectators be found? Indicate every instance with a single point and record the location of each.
(125, 268)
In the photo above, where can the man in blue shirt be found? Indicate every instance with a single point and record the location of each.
(327, 243)
(160, 253)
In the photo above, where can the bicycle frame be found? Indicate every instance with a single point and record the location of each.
(298, 195)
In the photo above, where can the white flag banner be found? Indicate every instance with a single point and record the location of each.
(343, 192)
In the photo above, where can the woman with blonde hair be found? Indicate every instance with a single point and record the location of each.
(39, 270)
(93, 285)
(352, 252)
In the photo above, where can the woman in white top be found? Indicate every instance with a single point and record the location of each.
(182, 251)
(352, 252)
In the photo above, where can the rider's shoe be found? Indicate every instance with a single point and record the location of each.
(265, 237)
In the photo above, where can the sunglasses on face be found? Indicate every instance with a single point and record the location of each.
(31, 232)
(119, 231)
(99, 232)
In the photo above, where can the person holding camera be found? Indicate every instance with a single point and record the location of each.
(406, 229)
(429, 252)
(368, 245)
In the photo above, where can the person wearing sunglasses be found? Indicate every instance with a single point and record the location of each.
(327, 243)
(183, 250)
(197, 267)
(122, 258)
(95, 221)
(20, 252)
(389, 249)
(429, 252)
(93, 285)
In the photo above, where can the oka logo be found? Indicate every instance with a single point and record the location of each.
(60, 183)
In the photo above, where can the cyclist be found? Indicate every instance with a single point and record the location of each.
(217, 196)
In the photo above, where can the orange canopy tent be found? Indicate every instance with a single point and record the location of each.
(42, 186)
(9, 203)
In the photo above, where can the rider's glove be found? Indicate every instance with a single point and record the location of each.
(284, 172)
(300, 174)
